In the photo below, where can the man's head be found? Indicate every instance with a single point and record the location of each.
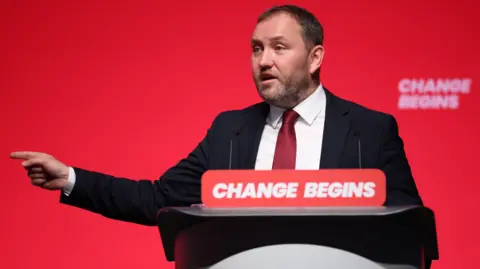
(287, 51)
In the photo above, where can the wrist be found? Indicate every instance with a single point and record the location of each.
(69, 182)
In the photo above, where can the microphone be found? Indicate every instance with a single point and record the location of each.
(230, 157)
(235, 133)
(357, 135)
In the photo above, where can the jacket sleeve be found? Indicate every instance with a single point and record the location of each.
(401, 187)
(138, 201)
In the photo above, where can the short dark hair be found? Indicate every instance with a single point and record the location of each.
(312, 30)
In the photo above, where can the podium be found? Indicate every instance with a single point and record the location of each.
(400, 237)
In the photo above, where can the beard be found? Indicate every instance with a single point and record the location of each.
(283, 92)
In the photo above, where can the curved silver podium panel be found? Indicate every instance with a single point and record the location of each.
(295, 256)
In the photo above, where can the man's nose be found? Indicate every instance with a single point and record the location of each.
(266, 59)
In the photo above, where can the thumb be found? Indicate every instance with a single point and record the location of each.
(34, 161)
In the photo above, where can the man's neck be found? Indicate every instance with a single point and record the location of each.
(307, 92)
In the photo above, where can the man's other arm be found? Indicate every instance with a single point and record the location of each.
(401, 187)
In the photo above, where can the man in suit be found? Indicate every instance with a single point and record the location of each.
(300, 125)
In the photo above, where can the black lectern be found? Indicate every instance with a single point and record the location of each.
(300, 238)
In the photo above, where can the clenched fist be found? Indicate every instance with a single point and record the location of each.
(44, 170)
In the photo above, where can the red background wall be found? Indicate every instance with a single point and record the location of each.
(129, 88)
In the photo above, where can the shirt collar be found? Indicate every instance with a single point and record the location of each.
(309, 109)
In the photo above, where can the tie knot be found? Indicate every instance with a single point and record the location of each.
(290, 117)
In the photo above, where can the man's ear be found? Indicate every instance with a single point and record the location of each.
(316, 58)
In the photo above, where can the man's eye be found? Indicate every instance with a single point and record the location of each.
(256, 49)
(279, 47)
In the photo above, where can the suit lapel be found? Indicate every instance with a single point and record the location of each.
(249, 137)
(337, 125)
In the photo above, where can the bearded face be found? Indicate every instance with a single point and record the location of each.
(280, 65)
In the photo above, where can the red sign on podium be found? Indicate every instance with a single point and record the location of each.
(286, 188)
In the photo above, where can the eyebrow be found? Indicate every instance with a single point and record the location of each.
(275, 38)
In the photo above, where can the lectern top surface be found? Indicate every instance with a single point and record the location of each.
(291, 211)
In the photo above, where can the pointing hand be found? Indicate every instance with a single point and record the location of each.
(44, 170)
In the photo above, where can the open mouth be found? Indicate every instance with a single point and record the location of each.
(265, 78)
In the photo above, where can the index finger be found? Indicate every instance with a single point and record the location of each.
(24, 155)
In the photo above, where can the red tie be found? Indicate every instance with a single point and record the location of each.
(286, 148)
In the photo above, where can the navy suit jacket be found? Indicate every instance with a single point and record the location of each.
(345, 124)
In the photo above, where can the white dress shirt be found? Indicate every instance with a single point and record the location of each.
(308, 131)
